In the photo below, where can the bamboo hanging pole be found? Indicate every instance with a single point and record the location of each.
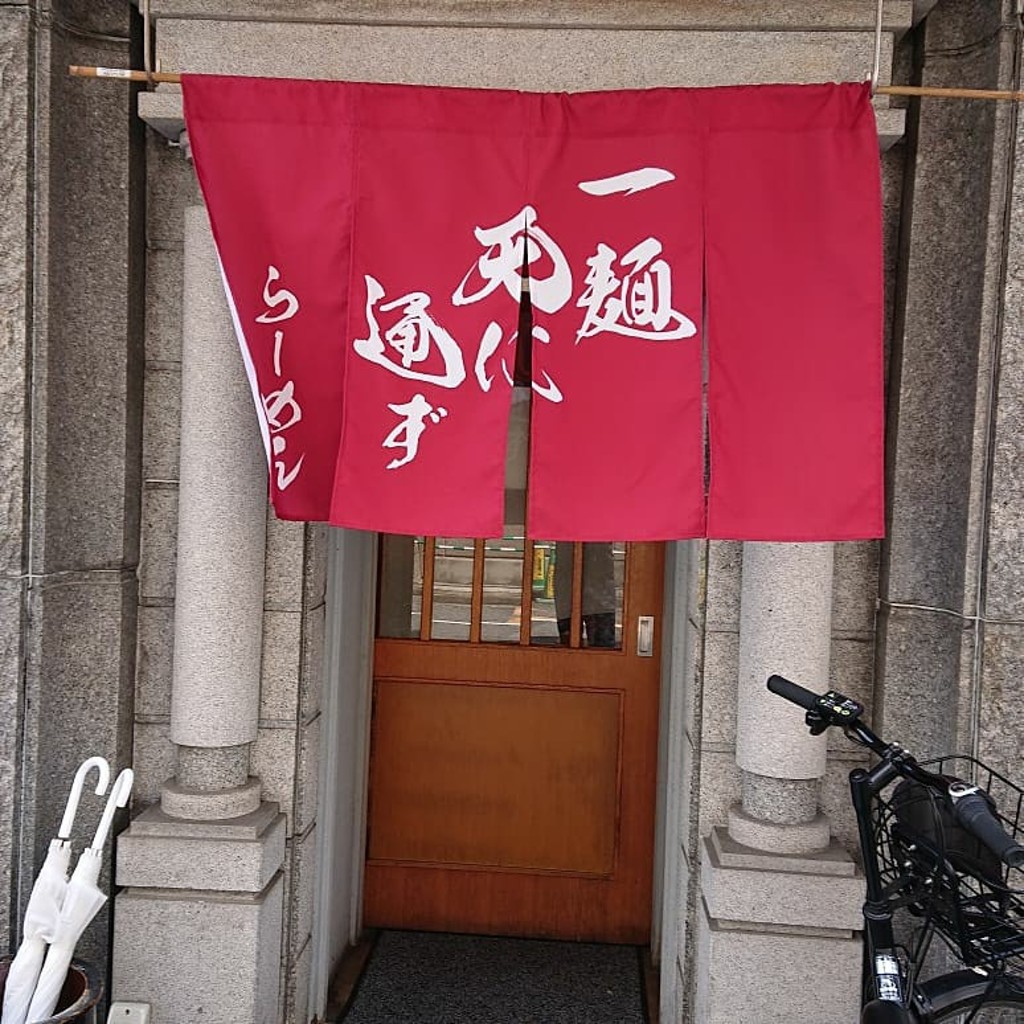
(127, 74)
(949, 94)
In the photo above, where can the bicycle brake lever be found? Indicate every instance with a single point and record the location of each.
(816, 722)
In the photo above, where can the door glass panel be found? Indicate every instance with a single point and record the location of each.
(503, 589)
(601, 594)
(551, 583)
(556, 598)
(453, 588)
(603, 572)
(401, 586)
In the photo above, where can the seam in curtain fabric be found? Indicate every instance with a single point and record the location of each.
(350, 290)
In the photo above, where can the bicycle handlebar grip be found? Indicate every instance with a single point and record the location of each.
(792, 692)
(973, 812)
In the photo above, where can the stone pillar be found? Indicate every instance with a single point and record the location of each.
(208, 860)
(781, 902)
(785, 627)
(218, 603)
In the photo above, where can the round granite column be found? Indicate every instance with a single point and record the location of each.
(218, 611)
(785, 628)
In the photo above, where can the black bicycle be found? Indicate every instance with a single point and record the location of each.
(939, 841)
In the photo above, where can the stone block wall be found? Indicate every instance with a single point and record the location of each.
(17, 250)
(70, 347)
(286, 754)
(170, 187)
(948, 564)
(1000, 726)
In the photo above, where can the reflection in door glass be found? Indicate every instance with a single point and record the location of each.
(401, 586)
(603, 573)
(544, 572)
(600, 592)
(470, 590)
(453, 589)
(503, 589)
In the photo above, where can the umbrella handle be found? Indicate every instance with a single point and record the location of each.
(118, 797)
(75, 796)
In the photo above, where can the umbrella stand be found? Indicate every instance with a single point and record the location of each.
(79, 997)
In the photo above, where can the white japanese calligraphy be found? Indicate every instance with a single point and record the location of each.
(628, 295)
(629, 183)
(410, 339)
(283, 478)
(639, 304)
(502, 263)
(408, 433)
(278, 342)
(489, 345)
(281, 407)
(550, 389)
(272, 299)
(277, 402)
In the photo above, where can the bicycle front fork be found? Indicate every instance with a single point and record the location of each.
(888, 985)
(887, 992)
(883, 976)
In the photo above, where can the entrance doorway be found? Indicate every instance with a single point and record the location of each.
(514, 738)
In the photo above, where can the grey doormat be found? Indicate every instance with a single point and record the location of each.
(429, 978)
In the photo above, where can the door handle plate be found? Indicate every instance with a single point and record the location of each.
(645, 636)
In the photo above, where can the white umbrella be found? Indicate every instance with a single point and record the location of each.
(45, 901)
(82, 902)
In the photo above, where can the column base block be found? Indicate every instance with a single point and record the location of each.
(238, 855)
(195, 805)
(777, 936)
(803, 838)
(198, 931)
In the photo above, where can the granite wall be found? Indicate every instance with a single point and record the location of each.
(953, 422)
(90, 209)
(70, 344)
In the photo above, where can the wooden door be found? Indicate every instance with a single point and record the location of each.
(512, 777)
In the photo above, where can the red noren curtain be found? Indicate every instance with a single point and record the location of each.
(689, 250)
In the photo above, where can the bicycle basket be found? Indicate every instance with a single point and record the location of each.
(939, 871)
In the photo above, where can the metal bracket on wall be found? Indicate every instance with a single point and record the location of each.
(129, 1013)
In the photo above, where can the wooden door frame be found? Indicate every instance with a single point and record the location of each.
(347, 686)
(672, 876)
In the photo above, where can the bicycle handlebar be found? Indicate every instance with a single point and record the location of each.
(792, 692)
(970, 807)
